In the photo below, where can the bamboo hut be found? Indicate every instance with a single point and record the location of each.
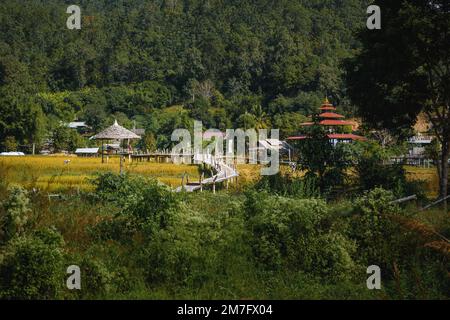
(115, 132)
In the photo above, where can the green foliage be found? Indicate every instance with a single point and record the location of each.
(144, 204)
(288, 185)
(371, 227)
(96, 278)
(292, 233)
(32, 267)
(67, 139)
(10, 144)
(16, 210)
(148, 142)
(122, 190)
(400, 67)
(323, 160)
(141, 57)
(373, 170)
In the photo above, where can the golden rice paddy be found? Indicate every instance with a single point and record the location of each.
(54, 173)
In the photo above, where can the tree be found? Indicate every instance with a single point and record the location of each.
(17, 209)
(247, 121)
(404, 70)
(148, 142)
(10, 143)
(321, 159)
(67, 139)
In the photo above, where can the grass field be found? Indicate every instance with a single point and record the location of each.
(52, 174)
(428, 175)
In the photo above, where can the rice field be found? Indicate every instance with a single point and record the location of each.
(55, 173)
(429, 175)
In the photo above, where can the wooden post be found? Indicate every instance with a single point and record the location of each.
(201, 182)
(121, 163)
(182, 181)
(214, 185)
(103, 151)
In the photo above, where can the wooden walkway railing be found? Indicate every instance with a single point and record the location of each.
(223, 173)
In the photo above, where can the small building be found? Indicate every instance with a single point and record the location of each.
(77, 125)
(334, 123)
(12, 153)
(285, 149)
(116, 133)
(87, 152)
(80, 126)
(418, 143)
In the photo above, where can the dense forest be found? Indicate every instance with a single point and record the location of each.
(309, 232)
(228, 63)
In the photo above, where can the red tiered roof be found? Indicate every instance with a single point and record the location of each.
(331, 122)
(331, 119)
(337, 136)
(336, 123)
(326, 105)
(331, 115)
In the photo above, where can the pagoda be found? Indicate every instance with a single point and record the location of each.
(331, 120)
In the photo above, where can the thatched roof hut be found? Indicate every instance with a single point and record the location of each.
(115, 132)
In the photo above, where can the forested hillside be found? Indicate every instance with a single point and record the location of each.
(233, 63)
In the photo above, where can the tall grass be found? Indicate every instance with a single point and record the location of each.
(53, 174)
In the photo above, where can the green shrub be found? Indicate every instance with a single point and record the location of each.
(95, 278)
(294, 234)
(328, 255)
(171, 258)
(32, 267)
(16, 209)
(143, 203)
(156, 209)
(371, 228)
(121, 190)
(373, 171)
(119, 229)
(287, 185)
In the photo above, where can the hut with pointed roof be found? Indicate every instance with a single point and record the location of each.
(115, 132)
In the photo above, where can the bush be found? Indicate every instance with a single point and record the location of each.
(172, 258)
(16, 208)
(144, 204)
(328, 255)
(295, 234)
(95, 278)
(32, 267)
(156, 209)
(287, 185)
(122, 190)
(371, 227)
(374, 172)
